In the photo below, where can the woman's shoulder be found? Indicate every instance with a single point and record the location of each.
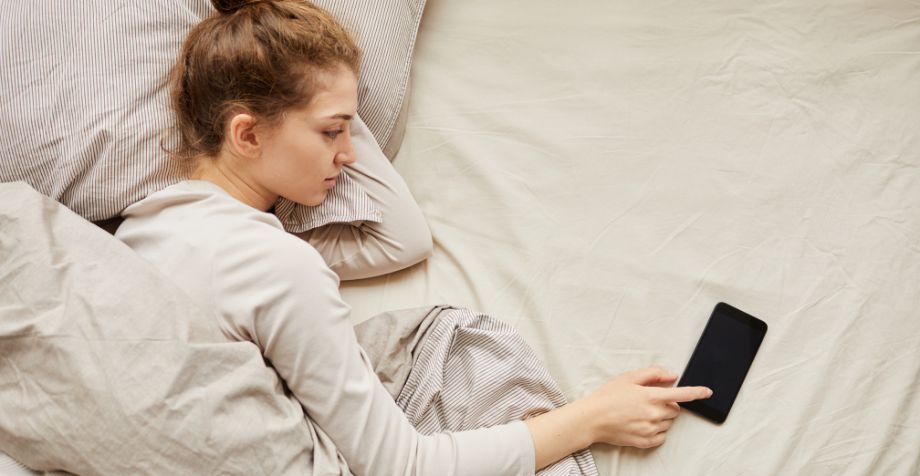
(194, 202)
(272, 245)
(259, 246)
(232, 234)
(270, 269)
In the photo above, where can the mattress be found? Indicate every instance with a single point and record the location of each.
(601, 174)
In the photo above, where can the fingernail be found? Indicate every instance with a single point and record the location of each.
(709, 393)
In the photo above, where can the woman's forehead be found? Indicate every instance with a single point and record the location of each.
(335, 100)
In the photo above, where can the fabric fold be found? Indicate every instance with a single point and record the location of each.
(451, 369)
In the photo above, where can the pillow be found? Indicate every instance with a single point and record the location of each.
(385, 62)
(109, 368)
(85, 104)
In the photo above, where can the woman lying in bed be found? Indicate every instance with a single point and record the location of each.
(265, 97)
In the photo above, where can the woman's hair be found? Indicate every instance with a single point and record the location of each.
(259, 57)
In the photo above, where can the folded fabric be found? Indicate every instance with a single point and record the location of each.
(451, 369)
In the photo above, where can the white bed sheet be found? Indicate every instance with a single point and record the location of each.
(601, 174)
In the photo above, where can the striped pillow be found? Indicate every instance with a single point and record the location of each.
(85, 105)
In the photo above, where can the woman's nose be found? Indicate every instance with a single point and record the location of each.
(346, 155)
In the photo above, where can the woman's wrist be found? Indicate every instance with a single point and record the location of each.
(562, 431)
(587, 416)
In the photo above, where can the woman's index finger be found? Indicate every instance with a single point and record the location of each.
(683, 394)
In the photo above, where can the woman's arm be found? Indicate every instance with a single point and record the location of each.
(368, 249)
(300, 322)
(302, 326)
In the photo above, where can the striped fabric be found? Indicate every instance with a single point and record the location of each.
(11, 467)
(84, 105)
(466, 371)
(347, 202)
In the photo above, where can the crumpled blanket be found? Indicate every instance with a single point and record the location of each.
(106, 367)
(451, 369)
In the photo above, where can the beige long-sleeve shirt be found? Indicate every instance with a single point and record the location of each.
(280, 292)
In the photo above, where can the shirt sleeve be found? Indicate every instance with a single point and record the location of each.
(367, 249)
(301, 324)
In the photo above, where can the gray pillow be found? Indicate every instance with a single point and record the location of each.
(85, 105)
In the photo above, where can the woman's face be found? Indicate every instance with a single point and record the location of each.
(302, 156)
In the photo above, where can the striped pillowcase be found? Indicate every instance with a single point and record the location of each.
(385, 30)
(85, 106)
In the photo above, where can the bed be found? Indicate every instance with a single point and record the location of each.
(601, 174)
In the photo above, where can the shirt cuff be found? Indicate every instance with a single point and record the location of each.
(500, 450)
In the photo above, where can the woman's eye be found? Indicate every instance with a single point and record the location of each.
(333, 134)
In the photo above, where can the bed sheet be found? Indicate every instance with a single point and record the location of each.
(601, 174)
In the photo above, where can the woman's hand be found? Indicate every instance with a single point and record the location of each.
(635, 410)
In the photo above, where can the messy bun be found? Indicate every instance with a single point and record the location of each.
(230, 6)
(266, 59)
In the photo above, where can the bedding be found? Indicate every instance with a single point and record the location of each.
(84, 99)
(601, 174)
(11, 467)
(106, 370)
(461, 370)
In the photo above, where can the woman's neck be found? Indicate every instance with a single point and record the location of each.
(239, 186)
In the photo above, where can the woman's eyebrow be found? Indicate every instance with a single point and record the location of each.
(347, 117)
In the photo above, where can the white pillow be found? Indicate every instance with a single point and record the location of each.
(85, 104)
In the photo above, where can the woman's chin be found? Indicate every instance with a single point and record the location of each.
(311, 200)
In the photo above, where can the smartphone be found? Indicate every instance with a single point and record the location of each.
(721, 360)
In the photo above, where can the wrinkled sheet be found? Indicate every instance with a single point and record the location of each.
(601, 174)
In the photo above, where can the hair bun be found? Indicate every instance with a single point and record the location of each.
(230, 6)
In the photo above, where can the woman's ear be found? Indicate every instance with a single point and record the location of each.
(242, 135)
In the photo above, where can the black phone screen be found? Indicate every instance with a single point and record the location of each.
(722, 358)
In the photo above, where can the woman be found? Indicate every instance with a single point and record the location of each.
(265, 96)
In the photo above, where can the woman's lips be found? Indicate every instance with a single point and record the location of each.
(329, 182)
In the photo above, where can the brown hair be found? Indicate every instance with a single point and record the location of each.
(262, 57)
